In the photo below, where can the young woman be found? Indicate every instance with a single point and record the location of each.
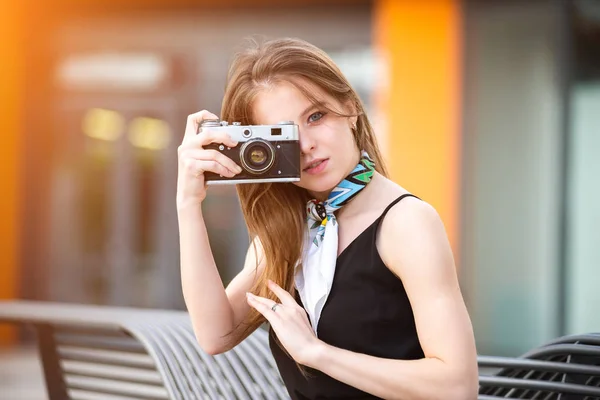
(354, 275)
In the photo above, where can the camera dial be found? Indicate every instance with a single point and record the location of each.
(210, 122)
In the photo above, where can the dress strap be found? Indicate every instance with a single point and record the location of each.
(393, 203)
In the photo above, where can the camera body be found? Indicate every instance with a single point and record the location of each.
(266, 153)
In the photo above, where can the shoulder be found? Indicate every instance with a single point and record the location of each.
(411, 215)
(413, 241)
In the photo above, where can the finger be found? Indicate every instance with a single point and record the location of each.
(193, 121)
(212, 166)
(283, 295)
(263, 300)
(261, 305)
(213, 136)
(213, 155)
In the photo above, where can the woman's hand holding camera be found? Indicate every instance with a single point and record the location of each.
(194, 160)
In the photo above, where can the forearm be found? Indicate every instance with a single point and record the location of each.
(205, 297)
(428, 378)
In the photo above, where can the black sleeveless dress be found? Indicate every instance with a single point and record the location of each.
(367, 311)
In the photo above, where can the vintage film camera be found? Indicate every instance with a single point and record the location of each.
(266, 153)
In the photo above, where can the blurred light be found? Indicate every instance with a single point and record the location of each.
(149, 133)
(103, 124)
(112, 71)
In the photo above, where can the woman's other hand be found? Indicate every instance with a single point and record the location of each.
(290, 323)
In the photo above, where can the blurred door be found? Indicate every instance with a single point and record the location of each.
(531, 167)
(582, 270)
(111, 203)
(512, 164)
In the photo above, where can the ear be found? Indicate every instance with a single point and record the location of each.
(350, 109)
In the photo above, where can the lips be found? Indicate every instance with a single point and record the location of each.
(313, 163)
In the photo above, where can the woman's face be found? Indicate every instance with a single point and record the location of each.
(328, 150)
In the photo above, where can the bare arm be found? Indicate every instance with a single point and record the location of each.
(214, 311)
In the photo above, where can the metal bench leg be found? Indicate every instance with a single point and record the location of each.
(53, 374)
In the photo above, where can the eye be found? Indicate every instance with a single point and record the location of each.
(314, 117)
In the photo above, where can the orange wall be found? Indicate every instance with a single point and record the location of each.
(420, 42)
(9, 139)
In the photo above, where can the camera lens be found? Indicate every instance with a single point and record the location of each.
(257, 156)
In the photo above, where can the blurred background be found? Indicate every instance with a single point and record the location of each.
(489, 110)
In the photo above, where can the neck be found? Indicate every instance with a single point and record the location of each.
(364, 198)
(320, 196)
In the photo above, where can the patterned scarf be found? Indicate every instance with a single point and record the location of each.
(315, 277)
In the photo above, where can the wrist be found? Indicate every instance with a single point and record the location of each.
(189, 205)
(318, 355)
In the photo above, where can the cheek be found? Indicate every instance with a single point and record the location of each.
(350, 142)
(338, 134)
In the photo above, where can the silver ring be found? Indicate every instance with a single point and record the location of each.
(274, 307)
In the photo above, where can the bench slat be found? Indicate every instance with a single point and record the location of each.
(105, 386)
(107, 357)
(114, 372)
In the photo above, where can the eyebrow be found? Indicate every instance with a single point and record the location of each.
(312, 107)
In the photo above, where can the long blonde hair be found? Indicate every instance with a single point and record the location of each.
(275, 213)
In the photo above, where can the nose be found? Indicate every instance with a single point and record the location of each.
(307, 143)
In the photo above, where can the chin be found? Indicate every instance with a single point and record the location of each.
(322, 185)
